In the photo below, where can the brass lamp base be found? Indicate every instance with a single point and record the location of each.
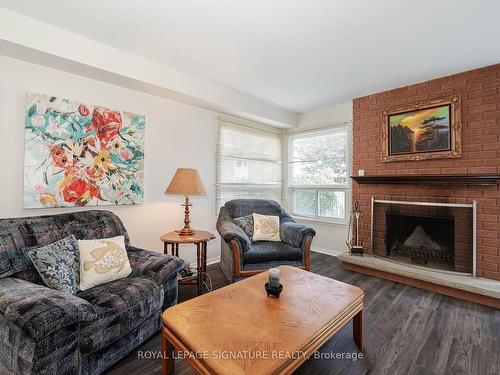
(187, 230)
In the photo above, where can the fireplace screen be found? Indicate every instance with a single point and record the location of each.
(421, 238)
(436, 235)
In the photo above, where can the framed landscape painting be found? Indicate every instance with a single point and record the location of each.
(79, 154)
(427, 130)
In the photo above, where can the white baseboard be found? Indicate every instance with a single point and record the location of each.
(323, 250)
(213, 260)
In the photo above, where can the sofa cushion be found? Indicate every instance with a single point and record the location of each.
(243, 207)
(102, 261)
(39, 310)
(42, 230)
(261, 252)
(121, 306)
(58, 264)
(12, 258)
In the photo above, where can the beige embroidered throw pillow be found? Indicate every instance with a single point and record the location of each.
(266, 228)
(102, 261)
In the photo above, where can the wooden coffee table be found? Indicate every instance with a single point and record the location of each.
(239, 330)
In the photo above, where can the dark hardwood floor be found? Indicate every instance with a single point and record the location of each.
(407, 331)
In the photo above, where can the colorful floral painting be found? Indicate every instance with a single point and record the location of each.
(80, 155)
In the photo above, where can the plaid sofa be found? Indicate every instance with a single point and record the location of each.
(240, 257)
(43, 331)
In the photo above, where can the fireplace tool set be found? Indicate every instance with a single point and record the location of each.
(353, 241)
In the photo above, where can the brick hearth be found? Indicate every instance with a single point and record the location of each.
(480, 93)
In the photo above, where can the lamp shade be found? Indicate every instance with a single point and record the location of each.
(187, 182)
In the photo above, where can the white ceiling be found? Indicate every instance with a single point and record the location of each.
(295, 54)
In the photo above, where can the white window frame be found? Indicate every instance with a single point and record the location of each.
(291, 188)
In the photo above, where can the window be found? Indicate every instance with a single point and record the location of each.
(248, 162)
(318, 180)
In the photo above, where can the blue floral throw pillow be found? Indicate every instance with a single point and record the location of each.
(58, 264)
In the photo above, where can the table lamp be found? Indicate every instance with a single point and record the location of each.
(187, 182)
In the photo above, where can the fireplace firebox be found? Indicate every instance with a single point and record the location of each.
(422, 239)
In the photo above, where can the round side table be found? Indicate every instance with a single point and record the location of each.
(200, 239)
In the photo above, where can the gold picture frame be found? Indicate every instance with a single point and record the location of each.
(430, 129)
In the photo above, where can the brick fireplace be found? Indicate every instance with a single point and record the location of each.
(479, 90)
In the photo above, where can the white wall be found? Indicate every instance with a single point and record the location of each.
(330, 238)
(326, 116)
(177, 135)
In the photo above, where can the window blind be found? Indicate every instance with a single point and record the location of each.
(248, 163)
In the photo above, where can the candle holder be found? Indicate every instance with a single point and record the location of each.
(275, 292)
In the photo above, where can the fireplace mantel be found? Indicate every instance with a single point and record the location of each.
(452, 179)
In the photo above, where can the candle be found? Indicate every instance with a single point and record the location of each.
(274, 278)
(361, 172)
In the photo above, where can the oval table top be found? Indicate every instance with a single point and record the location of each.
(197, 237)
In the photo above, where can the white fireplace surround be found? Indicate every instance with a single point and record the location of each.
(472, 206)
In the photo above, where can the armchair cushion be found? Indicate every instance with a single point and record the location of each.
(266, 228)
(155, 266)
(293, 233)
(39, 310)
(245, 223)
(261, 252)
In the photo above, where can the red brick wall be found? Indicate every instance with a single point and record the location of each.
(480, 93)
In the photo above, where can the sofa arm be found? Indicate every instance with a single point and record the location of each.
(39, 310)
(294, 234)
(153, 265)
